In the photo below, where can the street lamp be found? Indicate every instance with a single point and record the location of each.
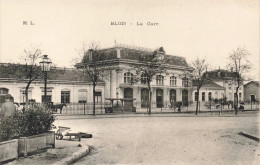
(45, 67)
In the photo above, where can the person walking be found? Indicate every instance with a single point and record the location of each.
(8, 108)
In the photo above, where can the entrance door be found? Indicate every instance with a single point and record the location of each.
(172, 95)
(185, 97)
(128, 93)
(144, 97)
(252, 98)
(159, 98)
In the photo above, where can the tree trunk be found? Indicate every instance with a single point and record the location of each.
(150, 99)
(236, 101)
(26, 94)
(94, 99)
(197, 105)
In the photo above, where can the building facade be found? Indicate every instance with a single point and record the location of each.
(68, 86)
(209, 92)
(226, 79)
(171, 86)
(251, 91)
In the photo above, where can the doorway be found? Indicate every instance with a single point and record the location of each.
(159, 98)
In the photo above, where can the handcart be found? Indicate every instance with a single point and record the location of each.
(65, 131)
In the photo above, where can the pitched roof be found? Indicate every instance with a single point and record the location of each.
(209, 84)
(59, 74)
(221, 74)
(134, 54)
(254, 82)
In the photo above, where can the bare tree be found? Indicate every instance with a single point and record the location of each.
(28, 71)
(239, 65)
(199, 77)
(151, 65)
(92, 66)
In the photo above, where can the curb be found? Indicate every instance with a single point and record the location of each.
(249, 136)
(75, 156)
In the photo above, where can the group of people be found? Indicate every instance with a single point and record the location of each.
(8, 108)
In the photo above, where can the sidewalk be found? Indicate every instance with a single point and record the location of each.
(65, 151)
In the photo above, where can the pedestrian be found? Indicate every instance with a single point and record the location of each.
(8, 108)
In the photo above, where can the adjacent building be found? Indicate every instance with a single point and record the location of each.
(67, 86)
(251, 91)
(226, 79)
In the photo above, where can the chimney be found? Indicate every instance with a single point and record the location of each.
(90, 54)
(118, 54)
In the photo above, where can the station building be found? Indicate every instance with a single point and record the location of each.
(172, 86)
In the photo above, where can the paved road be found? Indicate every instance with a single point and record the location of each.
(169, 140)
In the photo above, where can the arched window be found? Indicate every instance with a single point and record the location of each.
(185, 82)
(173, 81)
(159, 80)
(203, 96)
(196, 96)
(209, 96)
(143, 78)
(128, 77)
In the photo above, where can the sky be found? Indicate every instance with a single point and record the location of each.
(208, 29)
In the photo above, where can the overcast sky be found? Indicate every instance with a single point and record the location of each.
(188, 28)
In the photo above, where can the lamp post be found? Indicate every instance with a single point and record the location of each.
(45, 67)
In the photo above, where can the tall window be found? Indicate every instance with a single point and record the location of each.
(143, 79)
(173, 81)
(196, 96)
(128, 77)
(3, 92)
(159, 80)
(240, 97)
(203, 96)
(98, 96)
(185, 82)
(216, 95)
(48, 95)
(65, 96)
(82, 95)
(209, 96)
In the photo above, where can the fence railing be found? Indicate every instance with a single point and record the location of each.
(87, 108)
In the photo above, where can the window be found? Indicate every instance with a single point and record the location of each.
(203, 96)
(216, 95)
(48, 95)
(196, 96)
(98, 96)
(240, 96)
(128, 77)
(82, 95)
(209, 96)
(185, 82)
(143, 79)
(65, 96)
(159, 80)
(3, 91)
(173, 81)
(229, 96)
